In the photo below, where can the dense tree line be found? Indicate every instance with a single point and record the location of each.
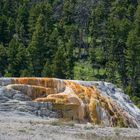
(74, 39)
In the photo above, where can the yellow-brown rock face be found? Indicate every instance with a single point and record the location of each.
(77, 101)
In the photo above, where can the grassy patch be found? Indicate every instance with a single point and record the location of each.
(61, 122)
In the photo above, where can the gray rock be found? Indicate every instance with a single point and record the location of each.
(8, 92)
(5, 81)
(3, 99)
(42, 109)
(21, 97)
(14, 101)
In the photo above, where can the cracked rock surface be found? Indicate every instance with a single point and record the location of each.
(15, 102)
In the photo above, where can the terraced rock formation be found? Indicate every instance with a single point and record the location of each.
(97, 102)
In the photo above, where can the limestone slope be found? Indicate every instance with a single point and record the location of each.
(97, 102)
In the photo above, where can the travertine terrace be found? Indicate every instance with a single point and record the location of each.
(78, 100)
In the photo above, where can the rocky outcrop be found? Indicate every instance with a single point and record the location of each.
(97, 102)
(14, 102)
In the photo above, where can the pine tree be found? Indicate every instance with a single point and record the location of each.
(47, 70)
(34, 13)
(4, 30)
(98, 36)
(43, 8)
(68, 12)
(3, 60)
(17, 60)
(52, 49)
(38, 48)
(59, 65)
(22, 23)
(69, 59)
(9, 8)
(119, 25)
(133, 56)
(1, 6)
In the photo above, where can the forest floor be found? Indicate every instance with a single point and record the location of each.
(20, 127)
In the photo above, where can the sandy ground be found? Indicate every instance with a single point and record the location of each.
(20, 127)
